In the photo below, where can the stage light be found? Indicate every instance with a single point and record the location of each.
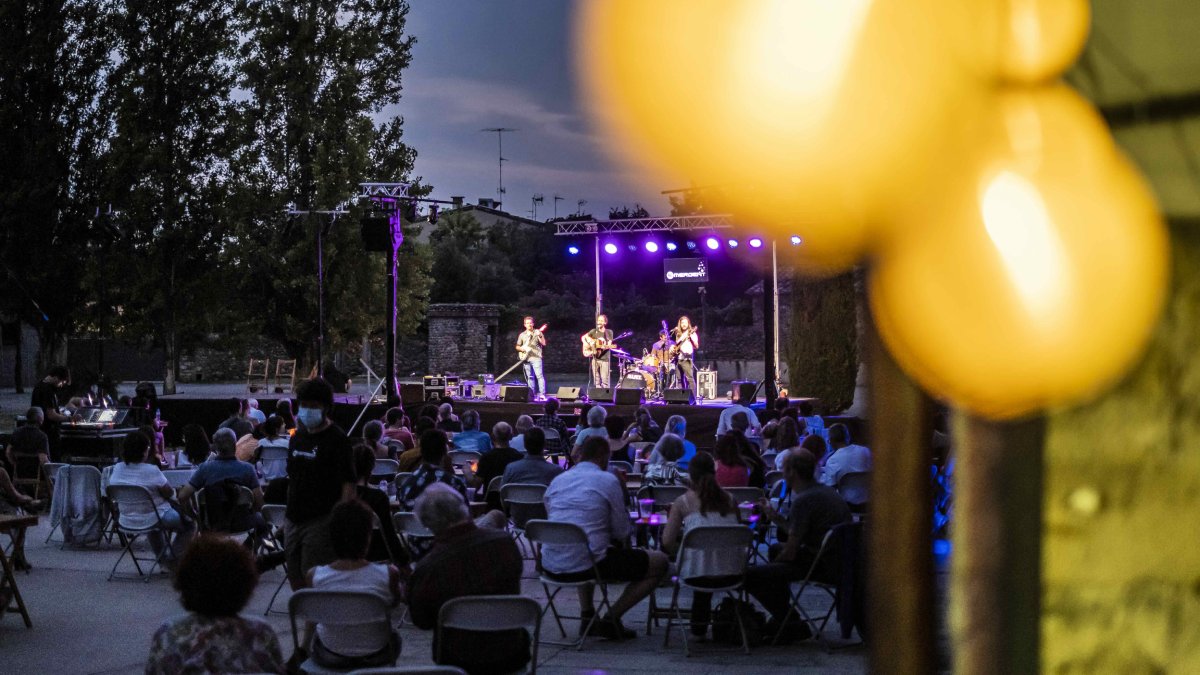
(691, 246)
(733, 243)
(573, 250)
(652, 247)
(795, 240)
(610, 248)
(671, 246)
(755, 242)
(712, 243)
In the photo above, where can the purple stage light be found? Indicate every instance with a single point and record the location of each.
(733, 243)
(712, 243)
(652, 247)
(632, 248)
(573, 250)
(755, 242)
(610, 248)
(691, 246)
(795, 240)
(671, 246)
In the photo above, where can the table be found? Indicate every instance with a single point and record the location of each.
(15, 526)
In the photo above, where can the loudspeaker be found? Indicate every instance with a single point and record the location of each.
(512, 393)
(628, 397)
(600, 394)
(679, 396)
(412, 393)
(567, 394)
(376, 233)
(743, 391)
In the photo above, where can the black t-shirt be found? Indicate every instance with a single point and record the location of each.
(318, 465)
(493, 462)
(27, 440)
(45, 396)
(597, 334)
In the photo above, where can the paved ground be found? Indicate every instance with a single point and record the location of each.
(84, 624)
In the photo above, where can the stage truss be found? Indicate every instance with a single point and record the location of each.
(669, 224)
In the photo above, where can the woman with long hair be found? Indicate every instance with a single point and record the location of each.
(732, 470)
(705, 503)
(196, 445)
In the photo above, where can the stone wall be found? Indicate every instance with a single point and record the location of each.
(458, 339)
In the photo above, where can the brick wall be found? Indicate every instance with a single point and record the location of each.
(458, 339)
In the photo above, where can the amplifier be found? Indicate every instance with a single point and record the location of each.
(486, 378)
(465, 389)
(743, 391)
(435, 381)
(489, 391)
(435, 393)
(706, 384)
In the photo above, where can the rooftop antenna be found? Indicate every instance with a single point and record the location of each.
(537, 199)
(557, 199)
(500, 148)
(581, 203)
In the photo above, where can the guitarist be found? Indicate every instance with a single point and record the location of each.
(686, 344)
(529, 347)
(599, 341)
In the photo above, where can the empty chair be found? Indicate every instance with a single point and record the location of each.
(712, 559)
(366, 614)
(663, 495)
(275, 515)
(415, 536)
(489, 613)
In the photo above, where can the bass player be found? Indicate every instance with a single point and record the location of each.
(529, 347)
(596, 343)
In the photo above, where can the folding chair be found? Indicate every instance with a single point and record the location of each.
(663, 495)
(768, 460)
(124, 497)
(639, 447)
(366, 612)
(491, 613)
(285, 371)
(460, 457)
(78, 508)
(741, 495)
(218, 515)
(522, 502)
(546, 532)
(272, 462)
(27, 472)
(827, 549)
(553, 442)
(178, 477)
(385, 469)
(852, 485)
(409, 527)
(256, 375)
(710, 551)
(616, 464)
(772, 478)
(275, 515)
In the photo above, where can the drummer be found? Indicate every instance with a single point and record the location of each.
(660, 358)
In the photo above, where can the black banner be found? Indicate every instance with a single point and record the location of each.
(685, 270)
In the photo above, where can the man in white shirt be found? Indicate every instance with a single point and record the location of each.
(524, 423)
(844, 459)
(727, 414)
(688, 342)
(594, 499)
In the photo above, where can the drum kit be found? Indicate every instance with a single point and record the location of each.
(648, 369)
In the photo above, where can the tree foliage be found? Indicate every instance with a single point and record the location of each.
(822, 348)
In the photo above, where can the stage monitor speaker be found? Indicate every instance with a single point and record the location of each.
(567, 394)
(376, 233)
(434, 394)
(706, 384)
(600, 394)
(512, 393)
(628, 396)
(412, 393)
(679, 396)
(743, 391)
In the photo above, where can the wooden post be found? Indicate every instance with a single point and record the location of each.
(900, 527)
(995, 596)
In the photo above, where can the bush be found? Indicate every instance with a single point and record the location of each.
(822, 348)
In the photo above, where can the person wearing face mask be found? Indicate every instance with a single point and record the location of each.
(320, 474)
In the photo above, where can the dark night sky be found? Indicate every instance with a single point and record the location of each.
(505, 63)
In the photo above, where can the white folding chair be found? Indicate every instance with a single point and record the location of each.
(828, 588)
(272, 462)
(772, 478)
(124, 497)
(663, 495)
(854, 485)
(614, 464)
(178, 477)
(411, 531)
(710, 551)
(491, 613)
(460, 457)
(223, 523)
(554, 442)
(275, 515)
(741, 495)
(368, 613)
(545, 532)
(522, 502)
(384, 469)
(638, 447)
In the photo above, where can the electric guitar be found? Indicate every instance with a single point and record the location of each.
(677, 348)
(597, 347)
(524, 350)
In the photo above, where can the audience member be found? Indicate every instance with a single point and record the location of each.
(813, 422)
(725, 421)
(813, 509)
(665, 472)
(396, 428)
(644, 429)
(465, 560)
(431, 470)
(238, 410)
(217, 477)
(29, 439)
(846, 458)
(256, 416)
(594, 499)
(215, 579)
(704, 504)
(320, 474)
(346, 647)
(787, 439)
(524, 423)
(134, 470)
(283, 409)
(495, 461)
(596, 417)
(551, 420)
(410, 459)
(816, 445)
(196, 446)
(372, 434)
(276, 442)
(385, 544)
(533, 467)
(738, 427)
(732, 469)
(470, 438)
(447, 420)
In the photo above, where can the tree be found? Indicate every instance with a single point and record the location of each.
(319, 74)
(167, 169)
(53, 58)
(823, 342)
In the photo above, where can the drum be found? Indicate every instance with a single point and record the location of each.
(651, 361)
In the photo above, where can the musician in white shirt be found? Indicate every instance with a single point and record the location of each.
(529, 347)
(687, 341)
(598, 340)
